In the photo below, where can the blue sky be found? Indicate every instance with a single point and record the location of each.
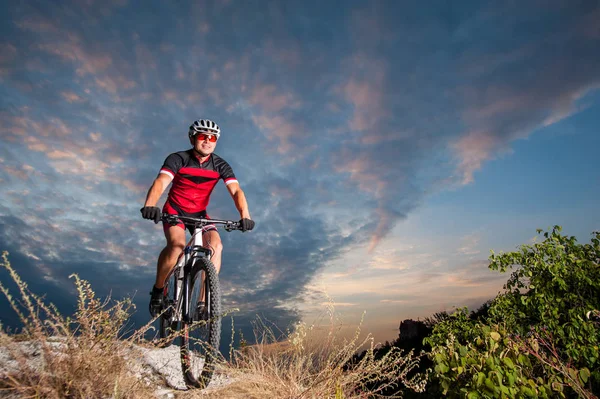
(384, 147)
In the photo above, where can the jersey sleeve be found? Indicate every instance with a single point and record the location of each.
(172, 164)
(226, 173)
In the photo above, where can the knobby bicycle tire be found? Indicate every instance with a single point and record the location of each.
(168, 327)
(202, 338)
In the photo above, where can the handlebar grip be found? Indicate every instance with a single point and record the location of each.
(170, 219)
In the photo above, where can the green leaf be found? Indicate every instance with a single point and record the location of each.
(528, 391)
(495, 336)
(508, 363)
(584, 375)
(511, 379)
(480, 378)
(443, 368)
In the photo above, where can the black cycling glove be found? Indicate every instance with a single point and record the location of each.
(152, 213)
(246, 224)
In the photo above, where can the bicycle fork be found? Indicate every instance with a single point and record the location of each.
(180, 286)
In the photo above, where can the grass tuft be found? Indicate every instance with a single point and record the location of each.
(62, 357)
(313, 362)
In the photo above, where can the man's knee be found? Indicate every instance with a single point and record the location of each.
(218, 247)
(213, 242)
(175, 248)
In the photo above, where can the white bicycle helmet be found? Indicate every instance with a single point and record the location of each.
(204, 126)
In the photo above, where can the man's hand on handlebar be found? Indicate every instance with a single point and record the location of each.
(154, 213)
(151, 213)
(246, 224)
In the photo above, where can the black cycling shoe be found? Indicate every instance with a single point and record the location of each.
(201, 312)
(156, 301)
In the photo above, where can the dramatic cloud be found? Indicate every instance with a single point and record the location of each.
(339, 123)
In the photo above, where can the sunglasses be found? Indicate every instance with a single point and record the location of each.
(211, 137)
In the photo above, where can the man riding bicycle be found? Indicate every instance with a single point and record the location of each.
(194, 174)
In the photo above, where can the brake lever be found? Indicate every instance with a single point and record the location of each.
(230, 226)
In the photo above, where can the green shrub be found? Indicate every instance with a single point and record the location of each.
(536, 340)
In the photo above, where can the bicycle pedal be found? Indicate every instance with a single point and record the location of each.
(201, 312)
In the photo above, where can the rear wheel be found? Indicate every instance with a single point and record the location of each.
(202, 334)
(168, 323)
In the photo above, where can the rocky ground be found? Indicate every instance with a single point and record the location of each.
(160, 367)
(165, 364)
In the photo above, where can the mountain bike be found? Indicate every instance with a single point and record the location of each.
(192, 304)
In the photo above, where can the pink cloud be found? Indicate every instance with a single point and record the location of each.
(35, 144)
(514, 92)
(362, 173)
(73, 51)
(114, 84)
(526, 111)
(20, 174)
(59, 154)
(52, 137)
(385, 222)
(131, 185)
(288, 54)
(71, 97)
(87, 60)
(366, 96)
(270, 100)
(473, 150)
(277, 128)
(13, 128)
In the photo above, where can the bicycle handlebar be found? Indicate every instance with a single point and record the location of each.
(229, 225)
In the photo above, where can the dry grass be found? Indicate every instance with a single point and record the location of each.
(87, 356)
(317, 363)
(79, 357)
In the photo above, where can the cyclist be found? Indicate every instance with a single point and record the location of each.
(194, 174)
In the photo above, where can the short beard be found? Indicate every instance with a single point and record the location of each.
(202, 155)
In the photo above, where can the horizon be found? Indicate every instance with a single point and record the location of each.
(384, 148)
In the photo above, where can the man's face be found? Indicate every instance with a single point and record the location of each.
(204, 143)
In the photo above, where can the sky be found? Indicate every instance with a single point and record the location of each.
(384, 147)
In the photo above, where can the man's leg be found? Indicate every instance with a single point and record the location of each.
(212, 241)
(166, 261)
(175, 236)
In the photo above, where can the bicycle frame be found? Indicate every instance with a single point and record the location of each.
(193, 249)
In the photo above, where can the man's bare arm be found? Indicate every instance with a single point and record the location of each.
(239, 199)
(157, 189)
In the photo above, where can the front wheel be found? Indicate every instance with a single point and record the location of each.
(202, 331)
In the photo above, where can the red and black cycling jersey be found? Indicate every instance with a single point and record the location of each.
(193, 182)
